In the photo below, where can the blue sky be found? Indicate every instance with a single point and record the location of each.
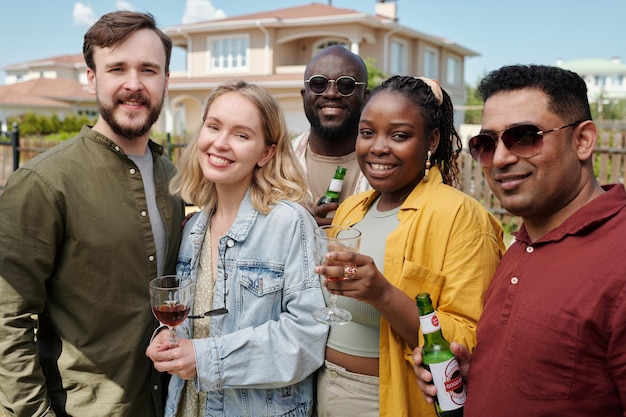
(502, 32)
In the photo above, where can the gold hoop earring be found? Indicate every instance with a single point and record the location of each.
(430, 154)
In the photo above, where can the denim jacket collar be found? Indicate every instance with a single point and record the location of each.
(238, 231)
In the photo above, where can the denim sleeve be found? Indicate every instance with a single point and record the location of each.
(283, 350)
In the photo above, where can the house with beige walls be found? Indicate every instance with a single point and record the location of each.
(47, 86)
(269, 48)
(272, 48)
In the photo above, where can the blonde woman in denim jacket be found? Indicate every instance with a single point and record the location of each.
(250, 252)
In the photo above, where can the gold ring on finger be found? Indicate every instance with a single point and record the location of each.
(349, 271)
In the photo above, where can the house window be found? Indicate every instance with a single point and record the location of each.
(453, 72)
(398, 58)
(228, 53)
(600, 80)
(431, 64)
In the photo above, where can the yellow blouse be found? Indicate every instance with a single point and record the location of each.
(448, 245)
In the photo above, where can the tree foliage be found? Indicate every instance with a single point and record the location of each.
(40, 125)
(375, 76)
(604, 109)
(473, 104)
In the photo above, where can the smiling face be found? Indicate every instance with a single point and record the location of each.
(391, 146)
(333, 116)
(539, 187)
(232, 143)
(130, 84)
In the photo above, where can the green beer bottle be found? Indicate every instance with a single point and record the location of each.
(442, 364)
(334, 188)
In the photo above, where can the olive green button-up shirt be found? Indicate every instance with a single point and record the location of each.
(77, 250)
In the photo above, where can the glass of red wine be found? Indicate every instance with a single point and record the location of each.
(171, 297)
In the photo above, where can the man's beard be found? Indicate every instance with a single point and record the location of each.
(348, 127)
(129, 132)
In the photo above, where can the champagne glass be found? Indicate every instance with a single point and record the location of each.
(171, 297)
(334, 239)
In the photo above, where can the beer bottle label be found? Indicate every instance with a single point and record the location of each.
(335, 185)
(450, 389)
(429, 323)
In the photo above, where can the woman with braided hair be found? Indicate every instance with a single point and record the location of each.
(419, 234)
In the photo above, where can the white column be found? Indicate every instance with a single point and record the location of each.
(354, 47)
(168, 116)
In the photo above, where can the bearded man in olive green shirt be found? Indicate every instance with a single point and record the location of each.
(83, 229)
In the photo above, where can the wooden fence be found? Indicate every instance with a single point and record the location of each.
(30, 148)
(609, 163)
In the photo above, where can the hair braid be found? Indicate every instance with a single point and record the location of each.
(435, 116)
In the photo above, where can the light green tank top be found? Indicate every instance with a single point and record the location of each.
(360, 337)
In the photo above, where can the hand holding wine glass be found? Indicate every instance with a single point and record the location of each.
(171, 297)
(331, 239)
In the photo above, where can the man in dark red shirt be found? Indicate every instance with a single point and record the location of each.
(552, 336)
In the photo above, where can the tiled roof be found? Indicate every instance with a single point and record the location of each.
(305, 11)
(59, 60)
(314, 13)
(45, 92)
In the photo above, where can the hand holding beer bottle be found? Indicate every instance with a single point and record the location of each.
(334, 188)
(325, 207)
(440, 361)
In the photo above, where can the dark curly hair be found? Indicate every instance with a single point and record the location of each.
(566, 90)
(435, 117)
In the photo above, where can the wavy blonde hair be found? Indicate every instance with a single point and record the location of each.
(282, 178)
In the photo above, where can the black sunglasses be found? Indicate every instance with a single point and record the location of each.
(523, 140)
(346, 85)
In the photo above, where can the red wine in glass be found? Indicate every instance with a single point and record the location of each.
(170, 298)
(171, 315)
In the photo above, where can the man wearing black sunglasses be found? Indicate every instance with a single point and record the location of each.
(335, 87)
(552, 336)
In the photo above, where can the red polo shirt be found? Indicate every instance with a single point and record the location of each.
(552, 336)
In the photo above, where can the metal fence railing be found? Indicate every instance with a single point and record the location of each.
(9, 153)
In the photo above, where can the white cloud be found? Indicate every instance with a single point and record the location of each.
(83, 15)
(124, 5)
(201, 10)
